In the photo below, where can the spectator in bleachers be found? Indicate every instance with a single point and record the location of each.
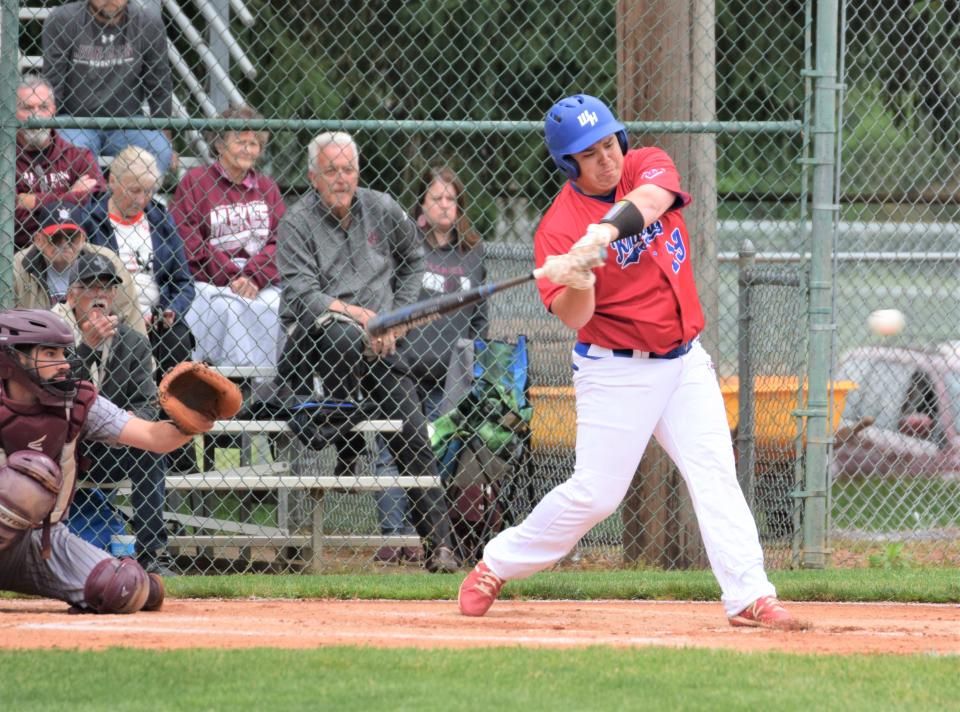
(116, 359)
(227, 215)
(346, 253)
(453, 263)
(41, 273)
(108, 58)
(129, 221)
(49, 169)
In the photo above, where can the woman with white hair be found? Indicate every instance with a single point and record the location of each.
(138, 228)
(227, 215)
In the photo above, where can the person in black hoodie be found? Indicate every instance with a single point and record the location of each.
(453, 262)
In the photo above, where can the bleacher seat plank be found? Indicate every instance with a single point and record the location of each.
(256, 427)
(246, 372)
(295, 540)
(272, 476)
(238, 540)
(211, 524)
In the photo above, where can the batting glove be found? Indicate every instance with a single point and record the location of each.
(567, 270)
(587, 257)
(597, 235)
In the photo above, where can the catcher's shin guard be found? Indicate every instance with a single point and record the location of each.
(118, 586)
(156, 593)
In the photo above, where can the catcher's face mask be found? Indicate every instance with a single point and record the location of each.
(49, 368)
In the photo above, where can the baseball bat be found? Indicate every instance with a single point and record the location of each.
(426, 310)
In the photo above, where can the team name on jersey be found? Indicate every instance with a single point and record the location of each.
(244, 225)
(629, 249)
(54, 180)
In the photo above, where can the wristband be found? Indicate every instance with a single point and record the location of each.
(626, 217)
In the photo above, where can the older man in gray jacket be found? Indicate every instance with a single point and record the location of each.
(346, 253)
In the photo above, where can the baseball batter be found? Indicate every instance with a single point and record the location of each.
(638, 368)
(44, 412)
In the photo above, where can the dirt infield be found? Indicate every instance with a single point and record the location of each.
(184, 623)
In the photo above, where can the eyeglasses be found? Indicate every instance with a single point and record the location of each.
(332, 172)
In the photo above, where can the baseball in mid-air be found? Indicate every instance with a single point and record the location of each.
(886, 322)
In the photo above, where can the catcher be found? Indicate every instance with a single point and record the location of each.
(44, 412)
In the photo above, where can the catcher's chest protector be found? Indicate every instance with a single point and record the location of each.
(43, 428)
(46, 429)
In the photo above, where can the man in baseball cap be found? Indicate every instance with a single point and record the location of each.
(58, 236)
(118, 361)
(90, 267)
(43, 272)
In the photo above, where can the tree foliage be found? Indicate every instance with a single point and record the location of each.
(500, 60)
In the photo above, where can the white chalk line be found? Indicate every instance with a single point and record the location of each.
(501, 640)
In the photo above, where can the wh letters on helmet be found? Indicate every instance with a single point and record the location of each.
(576, 123)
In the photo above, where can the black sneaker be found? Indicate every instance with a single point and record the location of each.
(442, 561)
(158, 562)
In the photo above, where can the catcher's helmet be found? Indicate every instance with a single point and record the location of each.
(35, 327)
(576, 123)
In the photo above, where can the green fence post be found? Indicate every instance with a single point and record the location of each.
(821, 293)
(9, 25)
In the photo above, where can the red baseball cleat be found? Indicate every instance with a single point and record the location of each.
(767, 612)
(479, 590)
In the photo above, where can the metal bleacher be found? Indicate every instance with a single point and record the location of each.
(295, 478)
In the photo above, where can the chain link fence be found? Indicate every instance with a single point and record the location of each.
(895, 494)
(203, 192)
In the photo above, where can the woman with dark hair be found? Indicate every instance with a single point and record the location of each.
(454, 261)
(227, 215)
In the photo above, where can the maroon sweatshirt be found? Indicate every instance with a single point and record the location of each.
(228, 229)
(48, 174)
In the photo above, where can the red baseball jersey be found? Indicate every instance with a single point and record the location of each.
(646, 298)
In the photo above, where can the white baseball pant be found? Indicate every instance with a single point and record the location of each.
(621, 402)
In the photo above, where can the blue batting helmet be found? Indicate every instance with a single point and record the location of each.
(576, 123)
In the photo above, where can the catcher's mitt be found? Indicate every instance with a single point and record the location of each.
(194, 396)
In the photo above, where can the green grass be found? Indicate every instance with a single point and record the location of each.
(346, 679)
(359, 678)
(933, 585)
(928, 585)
